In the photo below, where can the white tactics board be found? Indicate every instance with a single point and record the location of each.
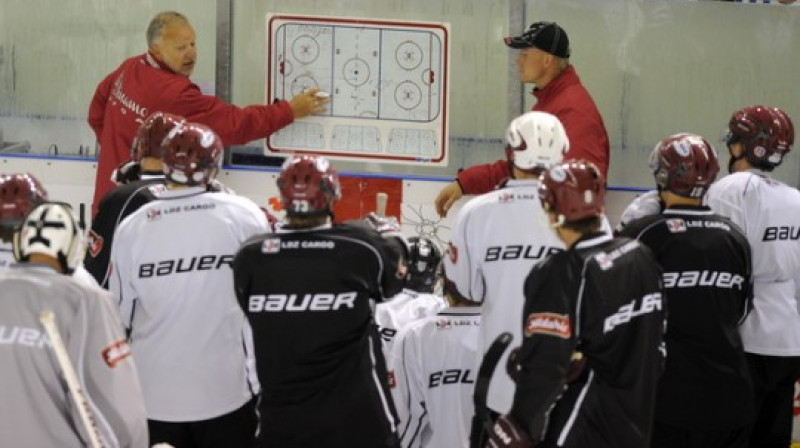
(387, 82)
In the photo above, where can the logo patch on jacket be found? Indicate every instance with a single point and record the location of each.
(551, 324)
(95, 243)
(676, 225)
(271, 246)
(116, 353)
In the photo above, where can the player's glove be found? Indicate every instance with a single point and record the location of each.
(127, 172)
(507, 434)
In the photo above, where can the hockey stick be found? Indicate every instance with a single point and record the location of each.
(482, 421)
(380, 203)
(48, 320)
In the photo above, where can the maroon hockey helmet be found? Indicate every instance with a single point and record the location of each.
(766, 132)
(19, 194)
(574, 190)
(684, 164)
(152, 133)
(192, 154)
(309, 186)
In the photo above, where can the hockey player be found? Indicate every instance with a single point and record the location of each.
(416, 300)
(19, 194)
(434, 365)
(704, 397)
(171, 262)
(36, 409)
(498, 237)
(593, 323)
(136, 191)
(306, 291)
(767, 211)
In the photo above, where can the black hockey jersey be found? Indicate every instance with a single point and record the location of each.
(602, 298)
(115, 206)
(307, 295)
(707, 266)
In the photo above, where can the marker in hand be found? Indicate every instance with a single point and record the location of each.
(322, 95)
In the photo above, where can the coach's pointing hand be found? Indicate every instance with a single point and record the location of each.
(308, 102)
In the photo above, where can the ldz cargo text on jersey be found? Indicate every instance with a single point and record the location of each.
(274, 245)
(155, 214)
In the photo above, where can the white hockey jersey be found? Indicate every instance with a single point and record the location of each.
(498, 237)
(768, 213)
(171, 262)
(404, 308)
(433, 371)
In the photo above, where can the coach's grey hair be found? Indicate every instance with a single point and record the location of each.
(160, 21)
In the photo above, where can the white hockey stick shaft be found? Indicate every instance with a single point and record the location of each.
(48, 320)
(380, 203)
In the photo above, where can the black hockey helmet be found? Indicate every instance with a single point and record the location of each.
(423, 261)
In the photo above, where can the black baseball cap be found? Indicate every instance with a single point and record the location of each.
(546, 36)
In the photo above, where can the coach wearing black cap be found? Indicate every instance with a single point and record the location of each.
(543, 60)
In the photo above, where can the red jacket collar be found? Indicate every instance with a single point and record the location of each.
(567, 77)
(151, 60)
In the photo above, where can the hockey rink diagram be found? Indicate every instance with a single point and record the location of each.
(387, 83)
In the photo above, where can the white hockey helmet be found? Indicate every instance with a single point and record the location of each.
(52, 229)
(535, 140)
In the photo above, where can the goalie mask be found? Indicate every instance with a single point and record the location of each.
(684, 164)
(767, 134)
(308, 186)
(151, 135)
(535, 140)
(423, 263)
(19, 193)
(51, 229)
(192, 154)
(573, 190)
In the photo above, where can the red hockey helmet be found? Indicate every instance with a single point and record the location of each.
(19, 193)
(574, 190)
(152, 133)
(766, 132)
(192, 154)
(308, 186)
(684, 164)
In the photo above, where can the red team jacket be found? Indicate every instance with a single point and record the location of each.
(141, 86)
(566, 98)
